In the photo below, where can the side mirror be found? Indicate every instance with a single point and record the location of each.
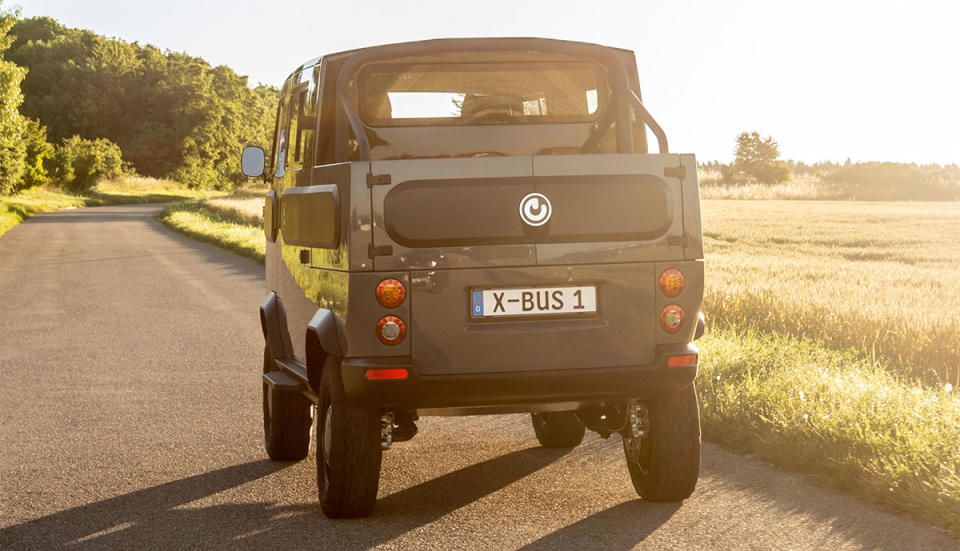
(253, 161)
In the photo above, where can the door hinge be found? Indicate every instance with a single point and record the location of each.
(384, 250)
(675, 171)
(378, 180)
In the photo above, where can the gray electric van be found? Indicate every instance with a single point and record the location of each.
(477, 226)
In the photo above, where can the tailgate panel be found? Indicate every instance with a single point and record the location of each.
(653, 207)
(431, 223)
(445, 340)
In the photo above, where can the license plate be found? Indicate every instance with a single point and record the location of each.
(532, 302)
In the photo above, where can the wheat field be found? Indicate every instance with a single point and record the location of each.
(881, 278)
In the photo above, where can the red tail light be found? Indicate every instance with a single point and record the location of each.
(671, 318)
(390, 293)
(383, 374)
(391, 330)
(685, 360)
(671, 282)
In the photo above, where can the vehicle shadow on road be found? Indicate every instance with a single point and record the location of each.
(619, 527)
(408, 509)
(140, 518)
(153, 518)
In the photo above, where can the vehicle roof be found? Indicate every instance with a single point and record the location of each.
(547, 42)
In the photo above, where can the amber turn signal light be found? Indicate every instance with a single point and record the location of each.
(671, 282)
(391, 293)
(391, 330)
(671, 318)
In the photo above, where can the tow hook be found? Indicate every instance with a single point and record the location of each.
(638, 419)
(386, 430)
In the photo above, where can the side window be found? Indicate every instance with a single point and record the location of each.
(328, 113)
(279, 156)
(301, 129)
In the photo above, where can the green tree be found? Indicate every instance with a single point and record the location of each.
(172, 114)
(759, 158)
(13, 151)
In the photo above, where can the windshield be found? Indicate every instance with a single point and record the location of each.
(480, 93)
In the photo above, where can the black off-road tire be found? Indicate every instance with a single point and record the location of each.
(286, 420)
(559, 429)
(348, 474)
(665, 465)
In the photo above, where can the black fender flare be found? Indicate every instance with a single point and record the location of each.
(324, 340)
(273, 323)
(701, 326)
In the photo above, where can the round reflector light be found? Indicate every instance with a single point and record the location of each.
(671, 318)
(671, 282)
(391, 330)
(391, 293)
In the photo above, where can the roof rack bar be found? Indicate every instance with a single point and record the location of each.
(651, 122)
(620, 82)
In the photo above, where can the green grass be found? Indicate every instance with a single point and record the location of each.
(17, 208)
(214, 223)
(833, 414)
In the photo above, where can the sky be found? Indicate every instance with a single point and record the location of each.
(869, 81)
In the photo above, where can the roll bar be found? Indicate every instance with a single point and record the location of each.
(626, 98)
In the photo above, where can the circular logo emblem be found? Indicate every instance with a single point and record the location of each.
(535, 209)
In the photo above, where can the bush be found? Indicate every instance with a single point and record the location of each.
(77, 164)
(38, 150)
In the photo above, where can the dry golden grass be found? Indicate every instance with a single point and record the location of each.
(247, 210)
(882, 278)
(800, 186)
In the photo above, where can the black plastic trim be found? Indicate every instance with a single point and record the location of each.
(593, 385)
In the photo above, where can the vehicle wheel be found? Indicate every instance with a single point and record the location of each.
(559, 429)
(665, 462)
(348, 450)
(286, 420)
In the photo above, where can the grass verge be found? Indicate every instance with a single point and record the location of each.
(833, 414)
(219, 223)
(128, 190)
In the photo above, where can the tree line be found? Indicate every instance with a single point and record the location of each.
(757, 161)
(73, 102)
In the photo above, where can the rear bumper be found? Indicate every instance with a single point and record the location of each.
(518, 391)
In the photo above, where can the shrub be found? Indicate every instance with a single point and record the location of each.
(198, 174)
(77, 164)
(38, 150)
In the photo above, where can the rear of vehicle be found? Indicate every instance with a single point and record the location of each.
(497, 239)
(529, 240)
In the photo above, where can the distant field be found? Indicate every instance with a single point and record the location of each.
(882, 278)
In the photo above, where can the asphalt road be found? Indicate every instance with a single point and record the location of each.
(130, 418)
